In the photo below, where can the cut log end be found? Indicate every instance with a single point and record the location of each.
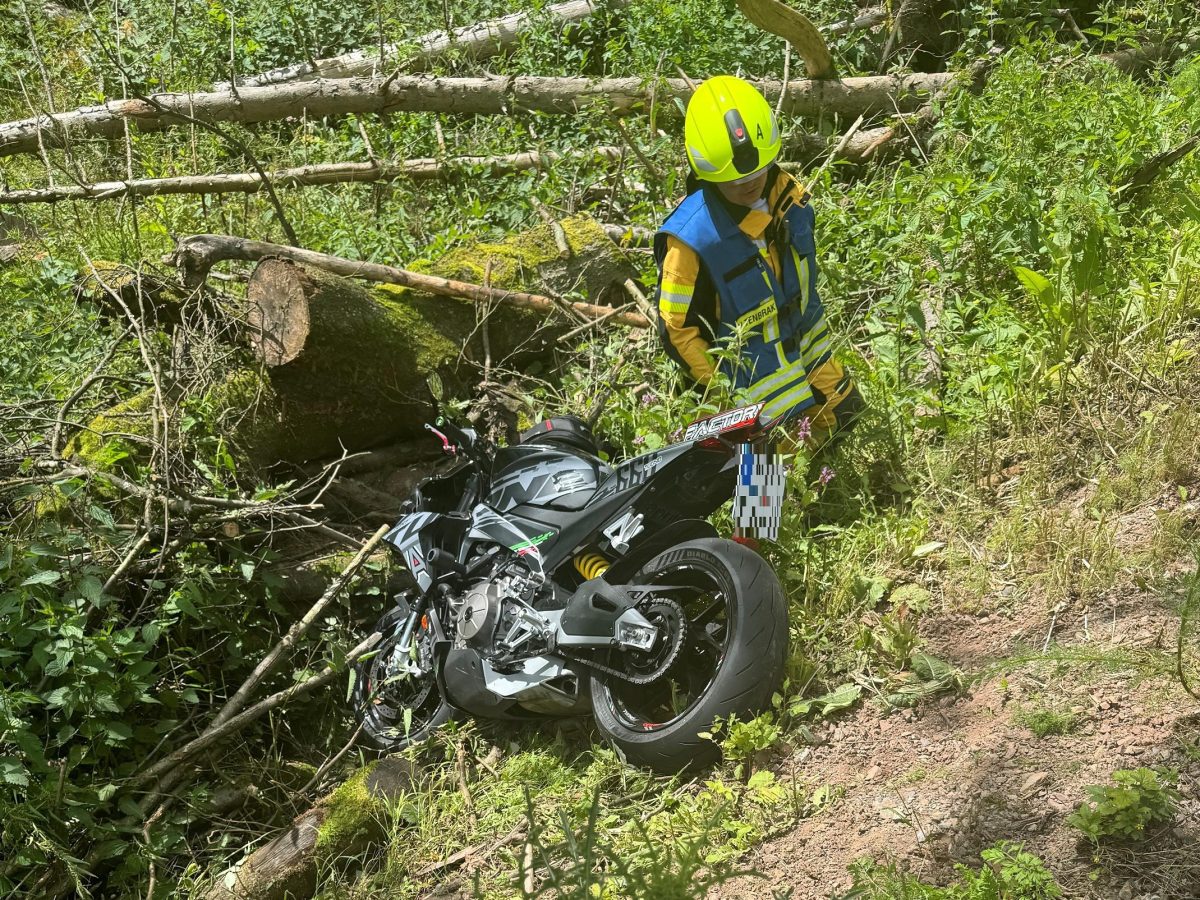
(278, 311)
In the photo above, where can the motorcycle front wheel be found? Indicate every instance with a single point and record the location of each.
(722, 646)
(396, 695)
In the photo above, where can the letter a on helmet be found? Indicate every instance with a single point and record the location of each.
(729, 130)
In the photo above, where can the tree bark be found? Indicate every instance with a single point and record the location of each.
(480, 41)
(421, 169)
(925, 32)
(866, 19)
(420, 93)
(808, 145)
(342, 824)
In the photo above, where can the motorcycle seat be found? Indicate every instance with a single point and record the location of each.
(566, 431)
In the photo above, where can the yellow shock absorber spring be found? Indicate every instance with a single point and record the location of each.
(591, 565)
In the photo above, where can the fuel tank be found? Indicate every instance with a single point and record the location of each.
(545, 476)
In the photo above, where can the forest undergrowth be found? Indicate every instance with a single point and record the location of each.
(1022, 322)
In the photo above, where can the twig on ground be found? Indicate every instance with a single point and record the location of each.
(60, 420)
(330, 763)
(1059, 607)
(235, 703)
(464, 788)
(457, 859)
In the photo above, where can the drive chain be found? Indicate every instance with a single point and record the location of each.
(626, 676)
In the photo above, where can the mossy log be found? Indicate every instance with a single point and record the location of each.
(343, 824)
(343, 365)
(346, 364)
(157, 300)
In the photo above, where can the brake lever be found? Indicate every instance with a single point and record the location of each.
(447, 446)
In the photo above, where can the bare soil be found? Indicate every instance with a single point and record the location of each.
(932, 786)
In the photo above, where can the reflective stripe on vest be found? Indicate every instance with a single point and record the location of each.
(774, 313)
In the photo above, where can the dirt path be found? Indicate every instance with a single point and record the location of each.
(933, 786)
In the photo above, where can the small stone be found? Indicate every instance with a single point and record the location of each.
(873, 773)
(1033, 782)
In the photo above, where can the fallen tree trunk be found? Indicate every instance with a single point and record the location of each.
(341, 825)
(342, 364)
(863, 146)
(480, 41)
(420, 93)
(421, 169)
(195, 255)
(886, 141)
(805, 145)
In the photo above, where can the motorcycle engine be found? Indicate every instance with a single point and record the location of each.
(497, 616)
(480, 613)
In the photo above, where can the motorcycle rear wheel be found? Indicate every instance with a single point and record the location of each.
(396, 710)
(735, 638)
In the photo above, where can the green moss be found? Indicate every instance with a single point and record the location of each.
(352, 811)
(244, 407)
(102, 276)
(530, 261)
(99, 445)
(518, 259)
(1044, 721)
(412, 313)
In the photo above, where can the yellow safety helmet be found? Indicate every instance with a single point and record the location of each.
(730, 130)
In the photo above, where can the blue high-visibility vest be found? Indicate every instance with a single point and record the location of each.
(776, 315)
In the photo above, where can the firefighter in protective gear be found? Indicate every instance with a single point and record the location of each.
(737, 266)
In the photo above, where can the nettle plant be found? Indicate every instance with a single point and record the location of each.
(742, 742)
(1141, 798)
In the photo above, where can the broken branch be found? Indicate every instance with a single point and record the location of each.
(421, 169)
(481, 40)
(195, 255)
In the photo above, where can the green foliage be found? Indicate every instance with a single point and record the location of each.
(1141, 798)
(840, 698)
(578, 867)
(1051, 290)
(741, 742)
(1009, 873)
(1044, 721)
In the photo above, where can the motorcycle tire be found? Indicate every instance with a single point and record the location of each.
(383, 726)
(749, 665)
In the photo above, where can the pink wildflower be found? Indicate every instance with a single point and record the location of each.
(826, 476)
(803, 429)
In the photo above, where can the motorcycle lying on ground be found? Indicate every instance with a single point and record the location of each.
(548, 583)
